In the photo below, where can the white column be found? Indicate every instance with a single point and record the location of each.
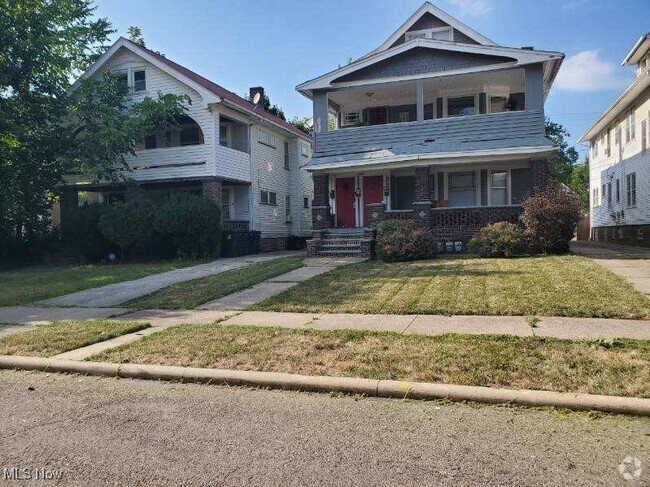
(419, 87)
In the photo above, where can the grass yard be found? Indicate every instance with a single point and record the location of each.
(566, 285)
(35, 283)
(620, 368)
(190, 294)
(48, 340)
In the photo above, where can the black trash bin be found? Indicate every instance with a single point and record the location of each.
(254, 242)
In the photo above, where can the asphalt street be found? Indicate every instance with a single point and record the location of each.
(99, 431)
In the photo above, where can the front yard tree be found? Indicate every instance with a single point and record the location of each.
(562, 162)
(44, 134)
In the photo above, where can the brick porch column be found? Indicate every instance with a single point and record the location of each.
(422, 204)
(320, 209)
(211, 189)
(540, 174)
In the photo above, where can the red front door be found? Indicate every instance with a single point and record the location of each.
(373, 190)
(345, 202)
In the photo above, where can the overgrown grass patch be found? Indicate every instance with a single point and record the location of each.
(190, 294)
(48, 340)
(36, 283)
(566, 285)
(619, 367)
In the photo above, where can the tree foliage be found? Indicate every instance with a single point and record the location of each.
(562, 162)
(135, 35)
(579, 184)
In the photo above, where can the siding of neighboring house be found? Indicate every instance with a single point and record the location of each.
(170, 162)
(625, 158)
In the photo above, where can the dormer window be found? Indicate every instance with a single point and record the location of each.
(437, 34)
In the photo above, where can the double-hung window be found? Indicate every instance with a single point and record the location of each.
(609, 194)
(286, 156)
(462, 188)
(629, 127)
(498, 188)
(630, 188)
(139, 80)
(618, 190)
(268, 198)
(266, 138)
(463, 105)
(644, 136)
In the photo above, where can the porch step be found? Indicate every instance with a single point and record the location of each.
(340, 253)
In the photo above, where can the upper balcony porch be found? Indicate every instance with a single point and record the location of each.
(486, 110)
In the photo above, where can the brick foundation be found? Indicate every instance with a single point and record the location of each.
(269, 244)
(211, 189)
(623, 234)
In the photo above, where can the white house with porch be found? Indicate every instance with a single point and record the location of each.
(439, 124)
(224, 147)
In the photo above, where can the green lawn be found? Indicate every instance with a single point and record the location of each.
(35, 283)
(48, 340)
(553, 286)
(190, 294)
(619, 368)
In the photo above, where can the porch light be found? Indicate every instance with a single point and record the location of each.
(357, 192)
(386, 192)
(332, 194)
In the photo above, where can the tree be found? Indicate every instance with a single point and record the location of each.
(305, 124)
(265, 103)
(135, 35)
(562, 162)
(579, 184)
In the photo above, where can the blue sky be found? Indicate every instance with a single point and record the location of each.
(281, 43)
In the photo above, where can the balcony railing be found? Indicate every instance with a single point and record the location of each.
(472, 128)
(233, 164)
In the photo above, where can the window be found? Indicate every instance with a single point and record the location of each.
(594, 197)
(190, 134)
(609, 194)
(618, 190)
(304, 150)
(644, 136)
(603, 193)
(287, 208)
(224, 135)
(608, 146)
(305, 202)
(630, 188)
(352, 118)
(225, 203)
(498, 104)
(594, 148)
(438, 33)
(402, 192)
(464, 105)
(268, 198)
(263, 137)
(629, 127)
(498, 188)
(617, 134)
(123, 80)
(139, 80)
(286, 156)
(462, 188)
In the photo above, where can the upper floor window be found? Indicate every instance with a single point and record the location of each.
(132, 79)
(463, 105)
(286, 156)
(594, 148)
(264, 137)
(123, 80)
(139, 80)
(629, 127)
(644, 136)
(184, 132)
(268, 198)
(304, 150)
(438, 33)
(618, 190)
(630, 188)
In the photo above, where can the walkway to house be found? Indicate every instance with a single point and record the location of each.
(630, 262)
(116, 294)
(313, 267)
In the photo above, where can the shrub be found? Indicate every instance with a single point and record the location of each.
(550, 219)
(501, 239)
(81, 234)
(404, 240)
(129, 226)
(192, 223)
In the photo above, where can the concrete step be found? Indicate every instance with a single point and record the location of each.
(339, 253)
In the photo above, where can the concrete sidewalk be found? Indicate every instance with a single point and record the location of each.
(627, 261)
(276, 285)
(116, 294)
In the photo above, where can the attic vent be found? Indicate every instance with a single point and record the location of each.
(528, 48)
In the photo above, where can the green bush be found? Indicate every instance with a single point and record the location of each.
(399, 240)
(129, 226)
(81, 234)
(192, 223)
(550, 219)
(501, 239)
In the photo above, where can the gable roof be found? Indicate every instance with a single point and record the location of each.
(520, 57)
(638, 51)
(215, 93)
(440, 14)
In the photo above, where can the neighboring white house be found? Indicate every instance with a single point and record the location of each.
(619, 162)
(225, 148)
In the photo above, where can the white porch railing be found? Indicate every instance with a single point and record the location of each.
(233, 164)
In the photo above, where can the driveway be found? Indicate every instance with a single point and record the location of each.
(115, 294)
(630, 262)
(127, 432)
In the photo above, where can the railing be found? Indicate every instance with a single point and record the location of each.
(472, 128)
(235, 225)
(233, 164)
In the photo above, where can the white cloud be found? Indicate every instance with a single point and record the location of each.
(476, 8)
(586, 72)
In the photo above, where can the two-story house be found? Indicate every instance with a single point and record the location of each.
(225, 147)
(438, 124)
(619, 162)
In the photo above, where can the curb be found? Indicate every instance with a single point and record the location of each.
(369, 387)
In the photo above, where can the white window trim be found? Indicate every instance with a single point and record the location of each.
(489, 186)
(410, 35)
(272, 140)
(445, 102)
(130, 78)
(228, 128)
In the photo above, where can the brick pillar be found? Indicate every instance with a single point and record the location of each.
(320, 209)
(540, 174)
(68, 204)
(422, 204)
(211, 189)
